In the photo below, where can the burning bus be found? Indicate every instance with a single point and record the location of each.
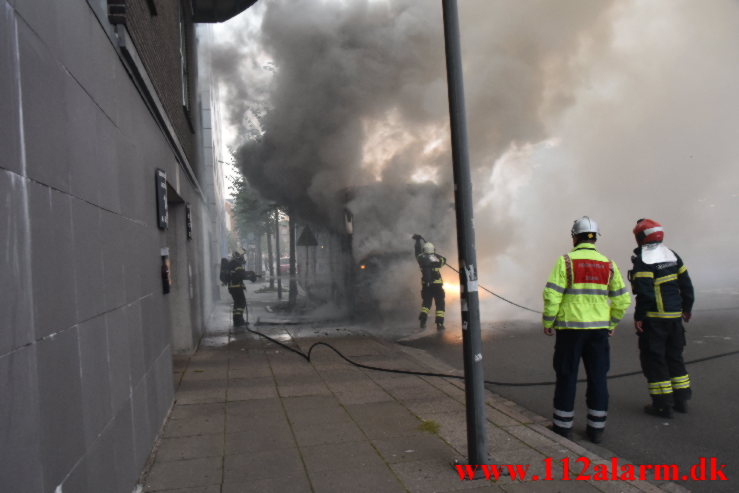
(366, 263)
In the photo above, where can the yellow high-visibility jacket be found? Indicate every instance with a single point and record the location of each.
(584, 291)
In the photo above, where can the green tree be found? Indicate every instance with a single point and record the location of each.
(252, 214)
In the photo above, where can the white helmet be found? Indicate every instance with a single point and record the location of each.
(428, 248)
(584, 225)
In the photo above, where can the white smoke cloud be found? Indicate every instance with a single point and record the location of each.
(617, 110)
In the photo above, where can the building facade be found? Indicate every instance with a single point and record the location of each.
(111, 224)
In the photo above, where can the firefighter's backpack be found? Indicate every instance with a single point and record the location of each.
(225, 271)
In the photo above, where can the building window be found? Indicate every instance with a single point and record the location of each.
(152, 7)
(184, 66)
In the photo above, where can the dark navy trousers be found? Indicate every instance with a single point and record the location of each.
(592, 347)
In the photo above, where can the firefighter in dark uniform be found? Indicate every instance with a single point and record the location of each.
(584, 299)
(236, 276)
(432, 285)
(664, 298)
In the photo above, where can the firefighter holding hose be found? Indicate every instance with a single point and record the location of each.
(234, 279)
(432, 285)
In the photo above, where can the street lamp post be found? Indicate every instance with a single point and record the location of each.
(277, 252)
(471, 339)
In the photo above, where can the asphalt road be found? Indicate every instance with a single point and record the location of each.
(520, 352)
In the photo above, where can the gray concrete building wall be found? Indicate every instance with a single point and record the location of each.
(86, 333)
(211, 161)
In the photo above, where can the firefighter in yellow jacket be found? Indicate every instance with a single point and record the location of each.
(584, 299)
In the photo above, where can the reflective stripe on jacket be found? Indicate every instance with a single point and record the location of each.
(237, 274)
(662, 290)
(430, 264)
(585, 290)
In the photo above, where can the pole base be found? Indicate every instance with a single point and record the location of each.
(478, 472)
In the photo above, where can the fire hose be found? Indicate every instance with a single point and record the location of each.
(307, 355)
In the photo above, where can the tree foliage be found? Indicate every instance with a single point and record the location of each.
(252, 214)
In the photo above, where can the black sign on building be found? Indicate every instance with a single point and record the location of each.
(188, 220)
(161, 188)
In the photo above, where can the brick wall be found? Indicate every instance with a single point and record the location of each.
(157, 39)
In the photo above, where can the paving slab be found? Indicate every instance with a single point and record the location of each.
(252, 416)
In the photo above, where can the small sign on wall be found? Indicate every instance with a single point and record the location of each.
(188, 220)
(166, 271)
(162, 210)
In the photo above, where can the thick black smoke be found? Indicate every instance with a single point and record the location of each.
(617, 110)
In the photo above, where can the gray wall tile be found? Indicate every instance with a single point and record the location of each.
(9, 124)
(164, 381)
(53, 272)
(88, 259)
(60, 405)
(106, 161)
(114, 265)
(101, 467)
(121, 432)
(136, 342)
(154, 340)
(44, 87)
(119, 358)
(134, 235)
(96, 71)
(43, 17)
(97, 410)
(20, 436)
(16, 303)
(132, 185)
(143, 430)
(81, 114)
(96, 472)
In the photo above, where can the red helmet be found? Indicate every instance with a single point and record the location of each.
(648, 231)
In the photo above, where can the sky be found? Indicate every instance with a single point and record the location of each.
(615, 110)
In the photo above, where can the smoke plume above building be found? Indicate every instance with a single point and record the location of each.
(616, 110)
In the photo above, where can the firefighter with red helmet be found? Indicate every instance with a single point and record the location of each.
(584, 299)
(432, 285)
(664, 299)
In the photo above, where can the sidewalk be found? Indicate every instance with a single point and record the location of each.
(250, 416)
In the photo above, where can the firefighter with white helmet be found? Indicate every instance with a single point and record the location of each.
(584, 299)
(664, 298)
(432, 285)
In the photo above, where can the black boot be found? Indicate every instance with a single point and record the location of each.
(595, 435)
(661, 406)
(681, 400)
(563, 432)
(440, 326)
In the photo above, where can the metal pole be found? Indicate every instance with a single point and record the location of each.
(471, 340)
(277, 252)
(292, 294)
